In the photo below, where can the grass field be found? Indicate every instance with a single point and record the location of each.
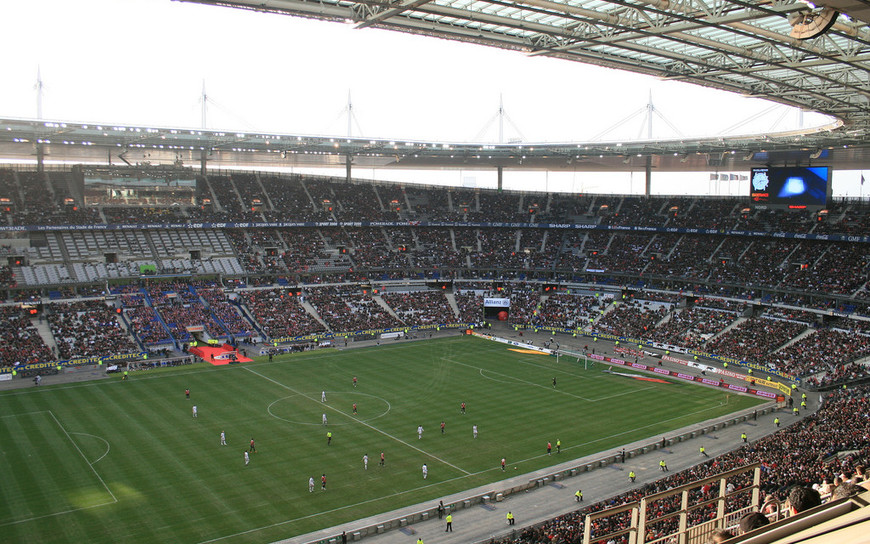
(125, 461)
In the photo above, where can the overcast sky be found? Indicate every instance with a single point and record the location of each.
(145, 61)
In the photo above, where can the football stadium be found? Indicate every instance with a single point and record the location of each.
(214, 336)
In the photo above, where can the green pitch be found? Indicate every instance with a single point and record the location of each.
(125, 461)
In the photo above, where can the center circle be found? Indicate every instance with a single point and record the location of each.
(304, 408)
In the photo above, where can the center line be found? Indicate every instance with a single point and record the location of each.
(363, 423)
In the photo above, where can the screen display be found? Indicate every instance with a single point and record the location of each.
(794, 186)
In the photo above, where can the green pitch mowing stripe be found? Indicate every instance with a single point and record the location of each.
(45, 472)
(173, 481)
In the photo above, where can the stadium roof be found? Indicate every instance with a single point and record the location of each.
(793, 53)
(814, 59)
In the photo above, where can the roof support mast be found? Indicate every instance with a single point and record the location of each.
(40, 150)
(500, 176)
(203, 154)
(650, 109)
(348, 159)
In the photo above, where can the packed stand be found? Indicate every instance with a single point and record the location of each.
(20, 342)
(568, 311)
(692, 327)
(470, 304)
(280, 313)
(839, 270)
(417, 308)
(632, 318)
(289, 200)
(87, 328)
(222, 309)
(794, 456)
(826, 350)
(346, 309)
(754, 339)
(525, 302)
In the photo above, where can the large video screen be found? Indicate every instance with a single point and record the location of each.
(792, 186)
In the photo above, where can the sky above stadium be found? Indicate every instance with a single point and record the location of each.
(145, 62)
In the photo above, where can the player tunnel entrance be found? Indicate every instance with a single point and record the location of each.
(496, 309)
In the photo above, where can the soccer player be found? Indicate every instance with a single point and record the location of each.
(252, 449)
(549, 448)
(462, 408)
(323, 482)
(366, 462)
(311, 484)
(323, 396)
(194, 410)
(474, 431)
(419, 432)
(328, 437)
(247, 459)
(354, 408)
(425, 471)
(223, 439)
(554, 382)
(187, 393)
(323, 420)
(502, 464)
(354, 382)
(383, 461)
(442, 427)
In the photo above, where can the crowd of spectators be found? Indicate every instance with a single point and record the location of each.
(420, 307)
(226, 312)
(437, 251)
(470, 304)
(347, 309)
(20, 341)
(568, 311)
(795, 456)
(498, 249)
(839, 270)
(753, 339)
(826, 350)
(87, 328)
(147, 326)
(691, 327)
(131, 214)
(631, 318)
(623, 253)
(371, 251)
(525, 300)
(280, 313)
(289, 200)
(358, 202)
